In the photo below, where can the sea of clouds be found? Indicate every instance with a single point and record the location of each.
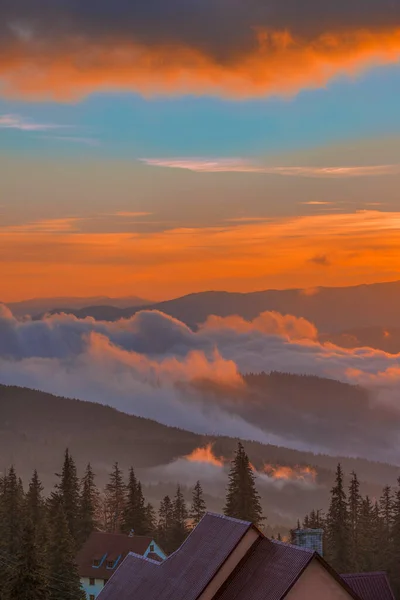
(151, 365)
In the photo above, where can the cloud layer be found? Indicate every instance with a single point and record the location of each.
(239, 49)
(155, 366)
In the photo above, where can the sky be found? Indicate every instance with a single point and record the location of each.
(160, 149)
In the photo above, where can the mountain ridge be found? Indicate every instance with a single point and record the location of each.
(331, 309)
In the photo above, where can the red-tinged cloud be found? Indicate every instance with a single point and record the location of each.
(269, 322)
(237, 49)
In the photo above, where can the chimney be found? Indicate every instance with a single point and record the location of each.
(311, 539)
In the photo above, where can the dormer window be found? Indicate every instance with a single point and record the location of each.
(151, 547)
(96, 562)
(110, 564)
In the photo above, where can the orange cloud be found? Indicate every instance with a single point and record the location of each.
(205, 455)
(271, 322)
(291, 474)
(280, 62)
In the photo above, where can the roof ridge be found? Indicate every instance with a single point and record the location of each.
(287, 545)
(234, 519)
(364, 574)
(142, 557)
(209, 514)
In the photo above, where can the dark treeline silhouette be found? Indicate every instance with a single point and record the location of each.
(40, 536)
(360, 533)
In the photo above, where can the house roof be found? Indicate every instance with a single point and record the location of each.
(268, 572)
(184, 574)
(109, 546)
(370, 586)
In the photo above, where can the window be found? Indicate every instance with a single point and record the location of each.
(92, 581)
(105, 581)
(151, 547)
(110, 564)
(92, 597)
(96, 562)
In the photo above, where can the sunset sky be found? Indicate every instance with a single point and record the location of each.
(164, 148)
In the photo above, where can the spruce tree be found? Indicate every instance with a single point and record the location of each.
(165, 523)
(11, 526)
(366, 536)
(242, 499)
(64, 581)
(386, 514)
(29, 577)
(151, 520)
(355, 504)
(337, 527)
(67, 492)
(115, 500)
(89, 506)
(135, 518)
(179, 528)
(198, 508)
(394, 568)
(34, 503)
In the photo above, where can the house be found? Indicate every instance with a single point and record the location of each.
(370, 586)
(103, 553)
(229, 559)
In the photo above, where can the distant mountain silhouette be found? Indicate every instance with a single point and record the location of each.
(36, 306)
(331, 309)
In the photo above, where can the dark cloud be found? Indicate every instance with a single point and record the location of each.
(321, 260)
(219, 27)
(234, 47)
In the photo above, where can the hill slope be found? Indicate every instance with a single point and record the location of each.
(35, 429)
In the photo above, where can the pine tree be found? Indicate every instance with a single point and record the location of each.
(11, 526)
(135, 518)
(337, 527)
(376, 540)
(394, 568)
(64, 581)
(67, 492)
(386, 515)
(88, 506)
(165, 523)
(242, 499)
(151, 520)
(365, 536)
(179, 528)
(34, 503)
(28, 577)
(354, 506)
(198, 508)
(115, 500)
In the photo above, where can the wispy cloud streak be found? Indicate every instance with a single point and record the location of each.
(239, 165)
(9, 121)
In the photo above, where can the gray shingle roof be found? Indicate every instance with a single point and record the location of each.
(184, 574)
(370, 586)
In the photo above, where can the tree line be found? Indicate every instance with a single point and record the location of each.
(40, 536)
(360, 534)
